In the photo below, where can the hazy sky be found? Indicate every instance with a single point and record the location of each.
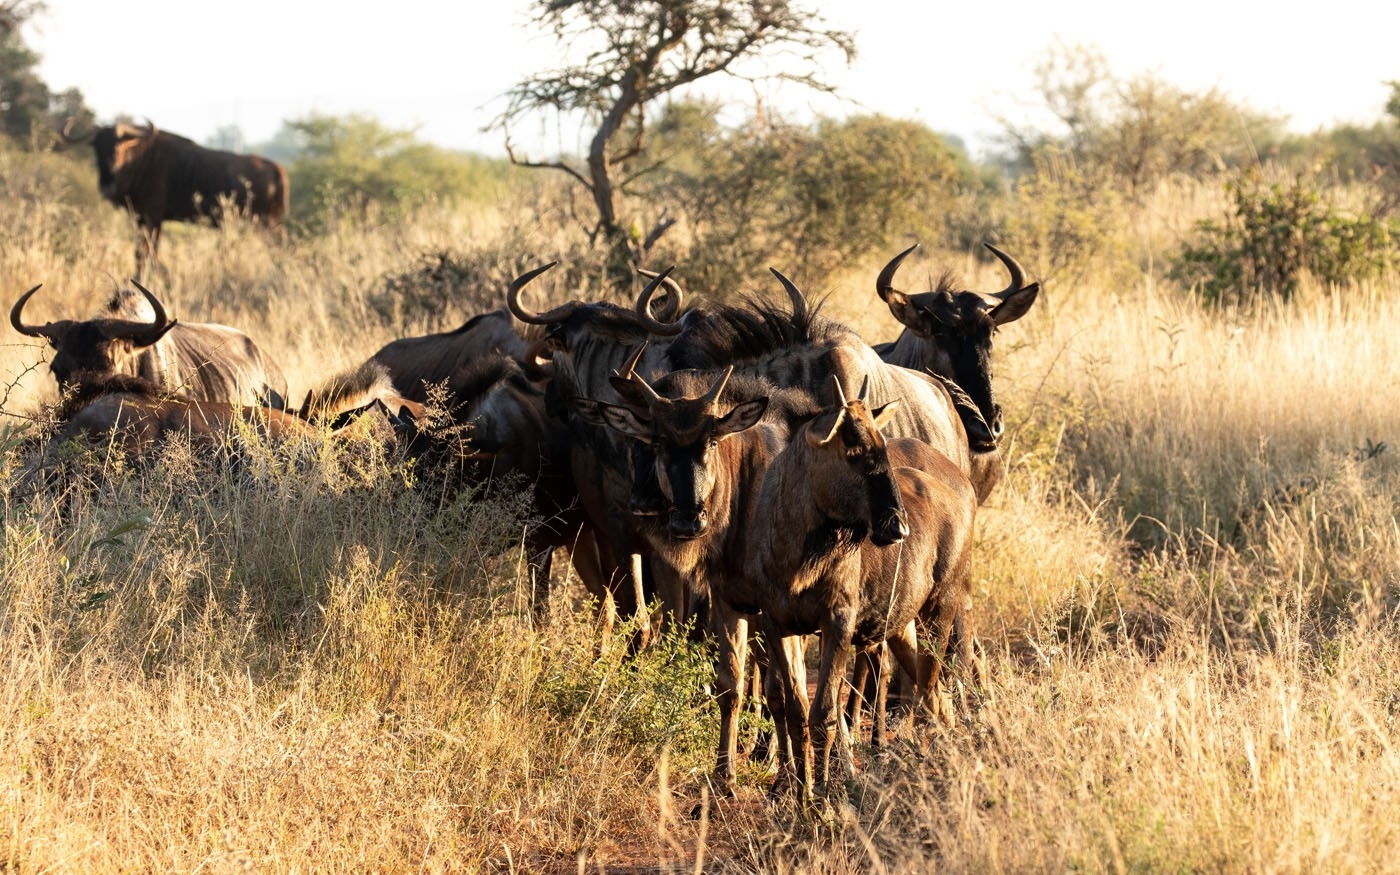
(193, 66)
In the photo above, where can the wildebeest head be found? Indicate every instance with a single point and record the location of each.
(957, 326)
(115, 146)
(850, 477)
(683, 433)
(103, 345)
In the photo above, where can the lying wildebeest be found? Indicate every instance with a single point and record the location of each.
(134, 415)
(206, 362)
(417, 363)
(826, 527)
(159, 176)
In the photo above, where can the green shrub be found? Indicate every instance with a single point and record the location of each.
(1275, 235)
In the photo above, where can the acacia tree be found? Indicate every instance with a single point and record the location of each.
(633, 52)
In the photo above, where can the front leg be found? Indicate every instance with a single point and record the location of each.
(731, 631)
(787, 699)
(827, 737)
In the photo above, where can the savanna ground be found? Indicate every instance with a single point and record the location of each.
(1185, 600)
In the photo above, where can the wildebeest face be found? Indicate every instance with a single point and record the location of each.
(99, 346)
(851, 478)
(685, 436)
(84, 347)
(115, 147)
(957, 327)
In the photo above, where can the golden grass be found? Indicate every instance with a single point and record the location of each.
(1186, 590)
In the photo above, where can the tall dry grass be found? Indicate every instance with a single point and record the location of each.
(1185, 606)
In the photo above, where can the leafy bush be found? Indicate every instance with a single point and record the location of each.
(804, 199)
(351, 162)
(1275, 235)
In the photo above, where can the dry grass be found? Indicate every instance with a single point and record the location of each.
(1186, 603)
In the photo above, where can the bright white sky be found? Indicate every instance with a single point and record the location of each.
(440, 66)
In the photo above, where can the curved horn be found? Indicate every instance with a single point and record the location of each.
(1018, 276)
(67, 132)
(17, 318)
(674, 293)
(151, 129)
(144, 333)
(558, 314)
(629, 367)
(884, 283)
(795, 296)
(840, 393)
(712, 396)
(154, 301)
(665, 329)
(864, 387)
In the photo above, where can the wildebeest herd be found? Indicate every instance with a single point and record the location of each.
(748, 467)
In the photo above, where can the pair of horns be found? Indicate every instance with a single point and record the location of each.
(884, 283)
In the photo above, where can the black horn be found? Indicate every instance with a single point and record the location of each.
(530, 317)
(17, 316)
(1018, 276)
(884, 283)
(795, 296)
(655, 326)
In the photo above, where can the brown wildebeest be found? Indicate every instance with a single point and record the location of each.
(206, 362)
(801, 528)
(862, 535)
(158, 177)
(135, 415)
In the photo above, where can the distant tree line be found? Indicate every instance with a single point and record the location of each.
(674, 178)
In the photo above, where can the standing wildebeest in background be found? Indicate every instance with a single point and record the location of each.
(159, 176)
(207, 362)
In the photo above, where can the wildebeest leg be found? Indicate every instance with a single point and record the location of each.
(637, 565)
(147, 244)
(671, 589)
(787, 699)
(540, 564)
(827, 737)
(917, 664)
(731, 632)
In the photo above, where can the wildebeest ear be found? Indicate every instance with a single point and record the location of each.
(883, 413)
(902, 308)
(742, 417)
(626, 422)
(588, 410)
(1015, 305)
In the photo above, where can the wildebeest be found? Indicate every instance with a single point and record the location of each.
(159, 176)
(417, 363)
(811, 530)
(207, 362)
(135, 415)
(948, 332)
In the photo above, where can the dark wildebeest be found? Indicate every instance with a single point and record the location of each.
(948, 333)
(588, 342)
(158, 176)
(206, 362)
